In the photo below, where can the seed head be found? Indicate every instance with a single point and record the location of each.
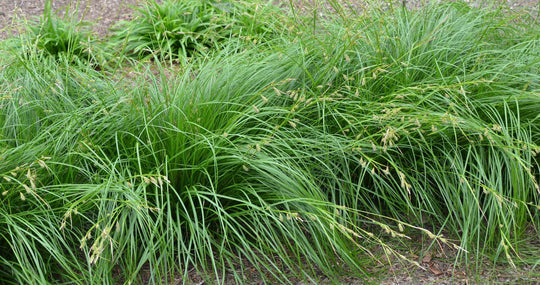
(278, 93)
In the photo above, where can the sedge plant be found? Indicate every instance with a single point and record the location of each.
(287, 159)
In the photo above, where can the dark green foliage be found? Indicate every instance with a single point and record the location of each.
(170, 29)
(64, 38)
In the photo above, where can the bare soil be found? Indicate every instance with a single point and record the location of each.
(437, 263)
(104, 13)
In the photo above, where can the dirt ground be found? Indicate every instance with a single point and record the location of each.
(436, 269)
(104, 13)
(107, 12)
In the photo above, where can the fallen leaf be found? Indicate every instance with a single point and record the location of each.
(427, 258)
(435, 270)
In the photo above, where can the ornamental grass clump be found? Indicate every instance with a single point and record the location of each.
(173, 29)
(437, 94)
(298, 158)
(67, 37)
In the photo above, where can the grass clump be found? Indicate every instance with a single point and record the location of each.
(173, 29)
(292, 157)
(66, 37)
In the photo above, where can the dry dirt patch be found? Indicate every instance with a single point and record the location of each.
(104, 13)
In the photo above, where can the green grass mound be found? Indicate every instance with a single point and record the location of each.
(298, 156)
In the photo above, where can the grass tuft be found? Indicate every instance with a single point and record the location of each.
(173, 29)
(311, 154)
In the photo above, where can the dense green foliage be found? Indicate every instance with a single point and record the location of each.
(173, 29)
(67, 38)
(294, 154)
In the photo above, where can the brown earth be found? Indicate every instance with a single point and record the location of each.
(437, 264)
(104, 13)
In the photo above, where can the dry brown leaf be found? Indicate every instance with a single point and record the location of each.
(427, 258)
(435, 270)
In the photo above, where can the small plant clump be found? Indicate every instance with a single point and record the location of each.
(172, 29)
(299, 148)
(66, 38)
